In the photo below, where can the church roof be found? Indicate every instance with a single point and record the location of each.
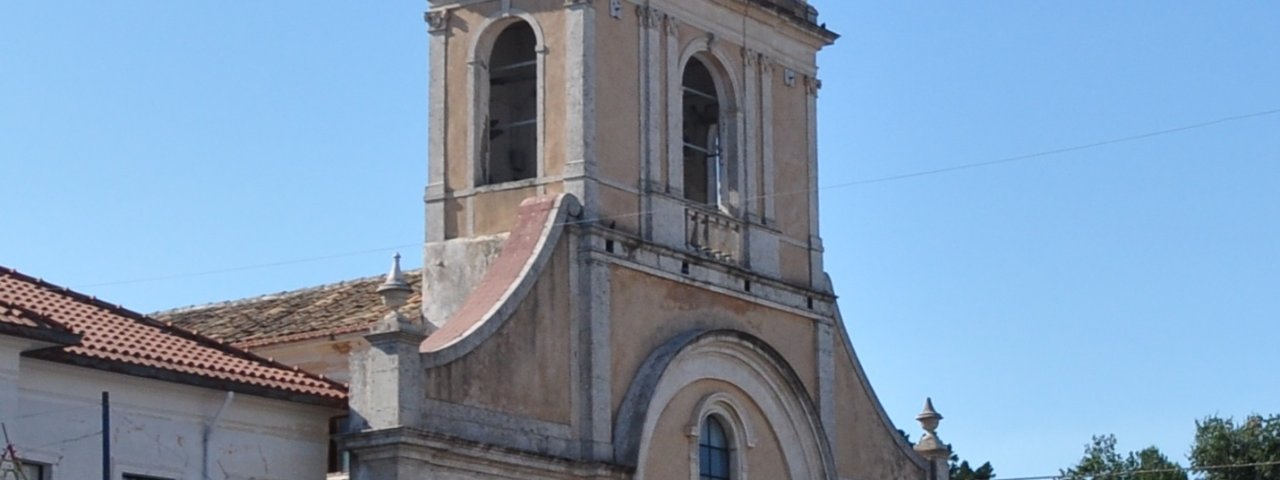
(317, 312)
(96, 334)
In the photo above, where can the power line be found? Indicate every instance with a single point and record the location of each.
(1055, 151)
(966, 166)
(250, 267)
(890, 178)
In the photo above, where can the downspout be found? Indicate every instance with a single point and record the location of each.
(208, 433)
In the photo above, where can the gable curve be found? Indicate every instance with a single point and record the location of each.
(524, 255)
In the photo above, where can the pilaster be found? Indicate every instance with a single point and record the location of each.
(751, 142)
(387, 383)
(438, 108)
(767, 68)
(675, 153)
(651, 181)
(817, 273)
(580, 121)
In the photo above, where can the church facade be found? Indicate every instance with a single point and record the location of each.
(623, 270)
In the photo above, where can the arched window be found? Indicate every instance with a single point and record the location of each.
(702, 135)
(510, 138)
(714, 454)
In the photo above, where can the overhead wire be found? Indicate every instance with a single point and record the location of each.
(966, 166)
(251, 267)
(775, 195)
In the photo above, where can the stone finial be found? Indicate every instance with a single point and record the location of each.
(395, 291)
(930, 446)
(929, 418)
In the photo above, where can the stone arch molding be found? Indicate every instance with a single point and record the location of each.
(754, 368)
(478, 85)
(726, 80)
(741, 432)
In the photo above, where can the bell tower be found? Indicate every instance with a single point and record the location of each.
(623, 270)
(687, 124)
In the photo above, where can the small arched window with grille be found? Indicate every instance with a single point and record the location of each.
(510, 138)
(714, 454)
(702, 136)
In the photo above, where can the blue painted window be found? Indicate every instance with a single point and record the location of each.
(713, 451)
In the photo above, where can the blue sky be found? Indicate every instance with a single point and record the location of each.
(1129, 288)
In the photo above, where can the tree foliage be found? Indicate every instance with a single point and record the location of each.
(960, 469)
(963, 471)
(1103, 462)
(1220, 442)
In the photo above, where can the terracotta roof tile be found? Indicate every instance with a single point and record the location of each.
(114, 338)
(316, 312)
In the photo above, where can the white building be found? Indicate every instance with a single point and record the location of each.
(182, 406)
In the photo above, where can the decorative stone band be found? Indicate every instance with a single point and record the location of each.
(509, 279)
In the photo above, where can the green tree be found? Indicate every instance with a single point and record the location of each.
(1251, 449)
(962, 471)
(1102, 461)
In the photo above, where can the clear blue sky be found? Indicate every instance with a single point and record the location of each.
(1128, 289)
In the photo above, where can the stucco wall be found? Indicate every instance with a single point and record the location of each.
(523, 368)
(322, 356)
(488, 210)
(865, 446)
(157, 428)
(647, 311)
(672, 454)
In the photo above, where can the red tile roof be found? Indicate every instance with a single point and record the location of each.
(21, 322)
(120, 340)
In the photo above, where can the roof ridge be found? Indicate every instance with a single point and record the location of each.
(169, 327)
(272, 296)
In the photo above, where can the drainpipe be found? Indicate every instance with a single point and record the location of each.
(208, 433)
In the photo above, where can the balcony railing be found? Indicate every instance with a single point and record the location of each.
(713, 234)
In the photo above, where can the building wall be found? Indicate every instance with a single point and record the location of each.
(157, 428)
(472, 210)
(866, 446)
(649, 310)
(530, 353)
(327, 356)
(672, 452)
(624, 121)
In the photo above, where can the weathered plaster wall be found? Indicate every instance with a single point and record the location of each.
(647, 311)
(157, 428)
(865, 446)
(673, 455)
(489, 209)
(322, 356)
(524, 368)
(618, 98)
(791, 154)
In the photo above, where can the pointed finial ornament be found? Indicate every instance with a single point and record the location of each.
(930, 446)
(929, 418)
(395, 291)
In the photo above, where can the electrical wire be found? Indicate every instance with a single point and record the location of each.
(251, 267)
(890, 178)
(966, 166)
